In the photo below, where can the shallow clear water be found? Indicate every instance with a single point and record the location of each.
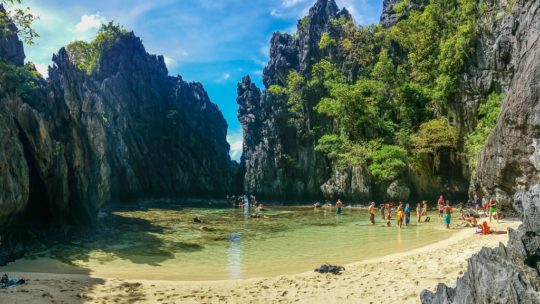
(162, 242)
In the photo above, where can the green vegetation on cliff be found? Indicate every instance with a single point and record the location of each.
(24, 81)
(488, 113)
(86, 55)
(404, 81)
(18, 21)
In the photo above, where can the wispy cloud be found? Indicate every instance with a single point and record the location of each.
(291, 3)
(89, 22)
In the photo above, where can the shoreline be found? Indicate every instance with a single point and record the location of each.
(396, 277)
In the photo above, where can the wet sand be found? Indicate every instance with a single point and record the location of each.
(397, 278)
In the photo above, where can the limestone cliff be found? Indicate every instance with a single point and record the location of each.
(280, 160)
(509, 167)
(78, 140)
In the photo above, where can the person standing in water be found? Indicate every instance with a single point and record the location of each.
(371, 211)
(492, 209)
(440, 206)
(399, 216)
(381, 208)
(407, 214)
(389, 211)
(418, 213)
(339, 206)
(447, 214)
(425, 210)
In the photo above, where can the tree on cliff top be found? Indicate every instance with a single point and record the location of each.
(86, 55)
(21, 18)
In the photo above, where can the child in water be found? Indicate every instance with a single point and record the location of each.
(400, 216)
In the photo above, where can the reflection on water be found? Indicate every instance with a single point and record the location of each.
(157, 241)
(235, 256)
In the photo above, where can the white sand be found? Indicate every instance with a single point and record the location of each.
(397, 278)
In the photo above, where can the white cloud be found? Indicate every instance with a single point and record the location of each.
(265, 50)
(291, 3)
(236, 142)
(43, 69)
(89, 22)
(276, 13)
(226, 76)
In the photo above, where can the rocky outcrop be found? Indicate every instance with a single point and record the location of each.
(11, 48)
(509, 167)
(390, 17)
(279, 159)
(123, 132)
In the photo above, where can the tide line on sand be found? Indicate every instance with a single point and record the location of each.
(395, 278)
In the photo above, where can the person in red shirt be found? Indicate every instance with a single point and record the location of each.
(440, 205)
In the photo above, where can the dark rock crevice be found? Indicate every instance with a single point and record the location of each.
(37, 213)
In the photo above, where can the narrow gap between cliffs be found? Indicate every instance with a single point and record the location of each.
(37, 213)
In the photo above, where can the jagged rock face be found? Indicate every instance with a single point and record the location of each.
(390, 17)
(11, 48)
(151, 133)
(509, 162)
(509, 170)
(351, 183)
(125, 132)
(279, 161)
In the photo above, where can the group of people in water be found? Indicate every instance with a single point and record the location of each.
(401, 211)
(444, 211)
(246, 202)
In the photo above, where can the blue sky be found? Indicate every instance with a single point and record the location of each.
(214, 42)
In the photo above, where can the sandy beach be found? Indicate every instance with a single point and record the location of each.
(397, 278)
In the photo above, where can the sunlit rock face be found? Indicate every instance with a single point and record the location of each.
(509, 169)
(126, 131)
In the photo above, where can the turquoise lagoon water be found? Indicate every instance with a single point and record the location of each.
(162, 242)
